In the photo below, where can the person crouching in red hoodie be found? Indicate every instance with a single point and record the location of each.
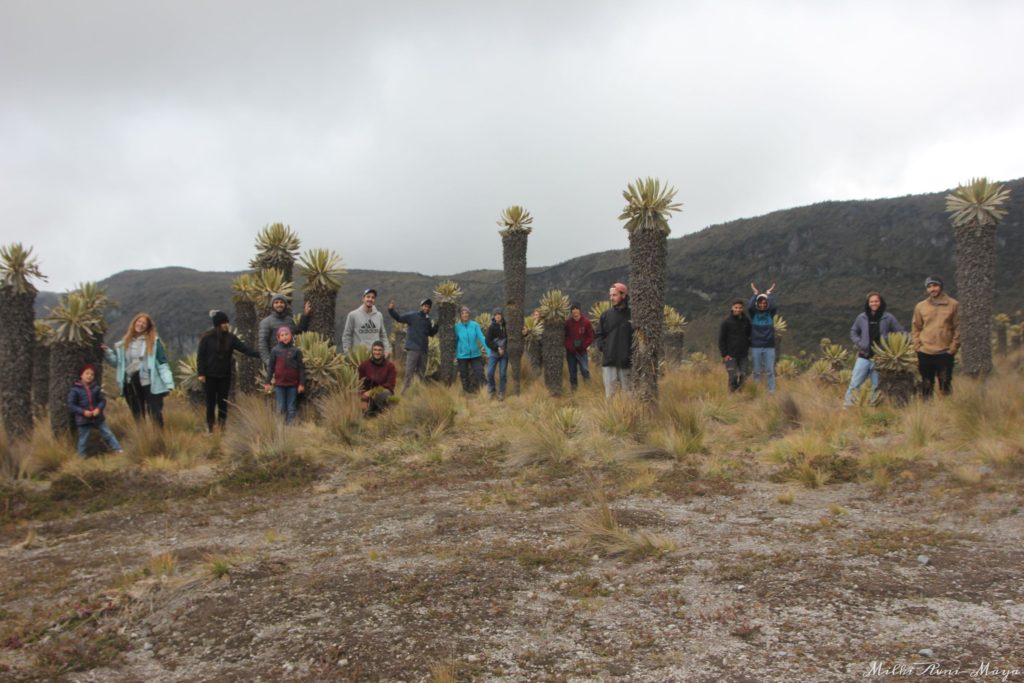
(377, 377)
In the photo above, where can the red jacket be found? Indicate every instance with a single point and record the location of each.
(581, 331)
(374, 375)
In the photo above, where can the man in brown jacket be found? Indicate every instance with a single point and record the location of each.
(936, 334)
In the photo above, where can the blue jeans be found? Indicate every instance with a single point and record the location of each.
(104, 430)
(286, 397)
(862, 369)
(501, 362)
(764, 362)
(577, 360)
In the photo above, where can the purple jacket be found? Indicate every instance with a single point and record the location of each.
(860, 332)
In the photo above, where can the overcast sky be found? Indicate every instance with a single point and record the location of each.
(140, 134)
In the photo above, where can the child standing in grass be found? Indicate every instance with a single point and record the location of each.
(87, 403)
(286, 373)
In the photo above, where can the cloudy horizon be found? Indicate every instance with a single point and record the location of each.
(145, 134)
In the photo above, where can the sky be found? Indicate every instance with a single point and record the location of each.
(142, 133)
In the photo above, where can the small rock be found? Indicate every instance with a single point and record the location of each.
(740, 587)
(147, 646)
(926, 652)
(924, 559)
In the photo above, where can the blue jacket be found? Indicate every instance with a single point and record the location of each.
(762, 329)
(420, 327)
(860, 333)
(161, 379)
(82, 398)
(469, 338)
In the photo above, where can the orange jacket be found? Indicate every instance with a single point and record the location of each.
(936, 326)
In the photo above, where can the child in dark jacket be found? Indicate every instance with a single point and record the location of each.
(286, 373)
(87, 403)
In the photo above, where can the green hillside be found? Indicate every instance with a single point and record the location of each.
(825, 257)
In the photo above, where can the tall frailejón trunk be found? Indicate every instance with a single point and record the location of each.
(17, 341)
(446, 336)
(249, 369)
(975, 280)
(648, 249)
(40, 376)
(323, 304)
(66, 361)
(553, 349)
(513, 243)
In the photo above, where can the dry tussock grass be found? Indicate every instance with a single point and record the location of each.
(600, 532)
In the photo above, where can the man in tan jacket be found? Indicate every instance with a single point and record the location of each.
(936, 334)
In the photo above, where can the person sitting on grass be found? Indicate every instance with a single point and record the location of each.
(286, 373)
(87, 403)
(377, 378)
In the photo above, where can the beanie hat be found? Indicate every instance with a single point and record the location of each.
(87, 366)
(621, 287)
(283, 327)
(464, 309)
(219, 318)
(427, 302)
(934, 281)
(498, 311)
(278, 297)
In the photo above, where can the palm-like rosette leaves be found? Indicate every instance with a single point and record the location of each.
(271, 281)
(895, 353)
(44, 332)
(978, 204)
(534, 329)
(1002, 320)
(322, 269)
(448, 292)
(323, 362)
(356, 355)
(780, 325)
(247, 288)
(598, 309)
(18, 267)
(648, 205)
(483, 320)
(675, 322)
(515, 219)
(275, 243)
(75, 320)
(188, 374)
(554, 306)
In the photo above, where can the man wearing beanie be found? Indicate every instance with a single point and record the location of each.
(579, 335)
(936, 334)
(214, 364)
(419, 329)
(279, 317)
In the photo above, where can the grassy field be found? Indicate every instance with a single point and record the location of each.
(726, 537)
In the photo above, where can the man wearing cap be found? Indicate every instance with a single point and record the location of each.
(762, 310)
(579, 335)
(936, 334)
(376, 380)
(365, 325)
(419, 328)
(279, 317)
(614, 337)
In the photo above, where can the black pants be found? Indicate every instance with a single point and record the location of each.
(471, 370)
(935, 366)
(142, 401)
(217, 390)
(737, 369)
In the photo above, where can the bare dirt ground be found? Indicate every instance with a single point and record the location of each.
(460, 572)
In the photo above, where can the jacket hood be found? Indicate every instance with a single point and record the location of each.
(881, 309)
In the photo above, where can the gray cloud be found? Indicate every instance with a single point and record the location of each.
(140, 134)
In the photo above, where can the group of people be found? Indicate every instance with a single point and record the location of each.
(746, 337)
(749, 332)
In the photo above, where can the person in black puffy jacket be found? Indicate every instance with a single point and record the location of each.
(214, 363)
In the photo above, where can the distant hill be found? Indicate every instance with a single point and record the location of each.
(825, 257)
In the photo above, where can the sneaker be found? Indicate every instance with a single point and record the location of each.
(501, 397)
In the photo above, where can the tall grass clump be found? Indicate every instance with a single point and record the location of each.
(622, 416)
(427, 412)
(45, 452)
(261, 448)
(600, 532)
(341, 414)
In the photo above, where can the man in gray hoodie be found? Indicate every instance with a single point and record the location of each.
(279, 317)
(365, 325)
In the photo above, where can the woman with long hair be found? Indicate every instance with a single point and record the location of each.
(143, 372)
